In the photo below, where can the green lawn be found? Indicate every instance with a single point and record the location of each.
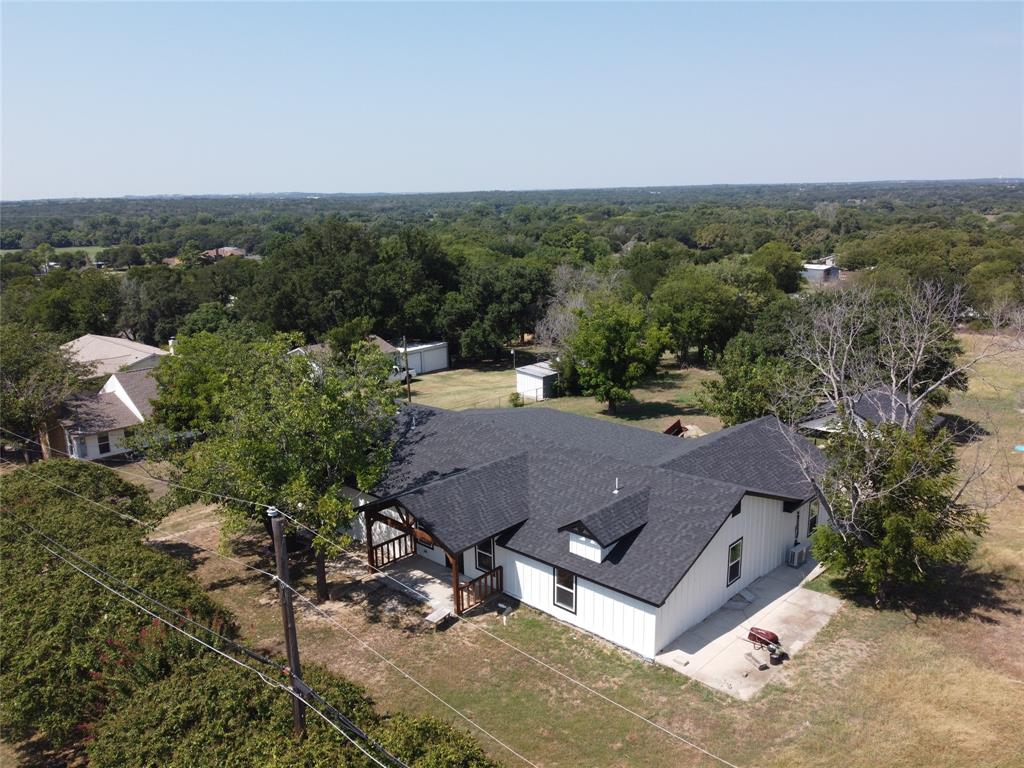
(668, 396)
(875, 688)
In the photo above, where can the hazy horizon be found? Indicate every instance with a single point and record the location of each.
(194, 99)
(523, 190)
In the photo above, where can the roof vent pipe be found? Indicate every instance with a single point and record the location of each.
(616, 491)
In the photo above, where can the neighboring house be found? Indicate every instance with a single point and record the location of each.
(537, 381)
(109, 354)
(819, 274)
(386, 347)
(95, 426)
(629, 534)
(424, 356)
(219, 253)
(870, 409)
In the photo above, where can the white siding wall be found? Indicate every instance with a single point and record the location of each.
(435, 359)
(92, 445)
(767, 533)
(588, 548)
(622, 620)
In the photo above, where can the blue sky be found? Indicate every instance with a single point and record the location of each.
(189, 98)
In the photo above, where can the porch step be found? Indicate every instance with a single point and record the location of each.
(439, 615)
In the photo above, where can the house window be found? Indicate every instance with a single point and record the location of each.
(485, 555)
(565, 589)
(812, 516)
(425, 544)
(735, 560)
(103, 439)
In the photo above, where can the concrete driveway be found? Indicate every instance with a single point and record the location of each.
(716, 651)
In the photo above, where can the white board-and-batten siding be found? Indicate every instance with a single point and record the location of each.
(588, 548)
(620, 619)
(767, 532)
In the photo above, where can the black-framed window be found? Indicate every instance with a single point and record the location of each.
(735, 561)
(485, 555)
(565, 589)
(425, 544)
(103, 438)
(812, 516)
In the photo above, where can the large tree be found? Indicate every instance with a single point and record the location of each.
(897, 511)
(286, 432)
(700, 311)
(36, 376)
(614, 347)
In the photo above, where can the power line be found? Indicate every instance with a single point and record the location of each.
(301, 597)
(237, 646)
(176, 628)
(526, 654)
(148, 476)
(541, 662)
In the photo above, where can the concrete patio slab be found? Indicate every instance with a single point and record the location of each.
(716, 651)
(421, 579)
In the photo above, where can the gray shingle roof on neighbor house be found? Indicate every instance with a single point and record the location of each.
(97, 413)
(141, 388)
(532, 473)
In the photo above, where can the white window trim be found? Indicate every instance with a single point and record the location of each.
(814, 505)
(730, 562)
(558, 587)
(99, 442)
(477, 551)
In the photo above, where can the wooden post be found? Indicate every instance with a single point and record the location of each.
(455, 582)
(408, 378)
(368, 521)
(291, 641)
(322, 593)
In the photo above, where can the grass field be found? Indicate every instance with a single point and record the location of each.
(668, 396)
(900, 689)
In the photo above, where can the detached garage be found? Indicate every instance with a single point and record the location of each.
(425, 357)
(537, 381)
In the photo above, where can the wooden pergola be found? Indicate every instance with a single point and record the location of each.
(403, 545)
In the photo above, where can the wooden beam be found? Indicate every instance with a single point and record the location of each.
(456, 594)
(368, 518)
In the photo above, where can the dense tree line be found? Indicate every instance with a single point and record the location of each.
(81, 667)
(478, 270)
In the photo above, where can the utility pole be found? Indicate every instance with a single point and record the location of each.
(408, 378)
(288, 618)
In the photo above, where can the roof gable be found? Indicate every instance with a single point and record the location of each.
(624, 515)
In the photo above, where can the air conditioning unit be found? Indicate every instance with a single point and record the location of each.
(796, 556)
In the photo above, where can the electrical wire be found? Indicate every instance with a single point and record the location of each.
(526, 654)
(148, 476)
(176, 628)
(533, 658)
(330, 619)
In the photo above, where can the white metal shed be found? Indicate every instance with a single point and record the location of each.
(425, 357)
(537, 381)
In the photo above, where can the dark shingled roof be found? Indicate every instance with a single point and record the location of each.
(462, 509)
(759, 455)
(624, 515)
(140, 386)
(97, 413)
(533, 473)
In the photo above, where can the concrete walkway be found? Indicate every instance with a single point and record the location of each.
(421, 579)
(716, 651)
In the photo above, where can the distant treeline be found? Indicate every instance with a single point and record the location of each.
(479, 269)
